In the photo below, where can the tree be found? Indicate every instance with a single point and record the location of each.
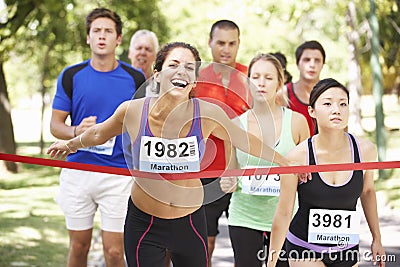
(7, 143)
(354, 70)
(388, 17)
(40, 28)
(16, 14)
(387, 14)
(377, 85)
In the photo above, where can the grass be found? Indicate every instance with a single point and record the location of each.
(32, 228)
(390, 187)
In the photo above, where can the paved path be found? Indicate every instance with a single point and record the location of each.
(223, 255)
(389, 221)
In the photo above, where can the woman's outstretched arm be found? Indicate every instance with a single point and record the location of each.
(96, 135)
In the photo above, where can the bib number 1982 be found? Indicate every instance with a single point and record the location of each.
(169, 155)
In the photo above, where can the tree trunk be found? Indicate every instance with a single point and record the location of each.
(377, 88)
(7, 142)
(43, 92)
(354, 85)
(41, 141)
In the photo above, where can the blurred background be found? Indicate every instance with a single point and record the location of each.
(40, 38)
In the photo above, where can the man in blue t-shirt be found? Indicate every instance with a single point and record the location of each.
(89, 92)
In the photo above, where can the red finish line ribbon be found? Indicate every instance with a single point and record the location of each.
(201, 174)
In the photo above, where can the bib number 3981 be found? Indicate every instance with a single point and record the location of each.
(169, 155)
(339, 227)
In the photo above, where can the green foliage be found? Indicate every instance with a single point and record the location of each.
(388, 15)
(13, 17)
(276, 26)
(140, 14)
(33, 29)
(389, 22)
(51, 34)
(266, 26)
(56, 29)
(42, 41)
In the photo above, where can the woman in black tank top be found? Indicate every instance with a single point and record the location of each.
(324, 230)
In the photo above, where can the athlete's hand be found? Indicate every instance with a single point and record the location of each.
(228, 184)
(60, 149)
(302, 177)
(85, 124)
(271, 262)
(378, 253)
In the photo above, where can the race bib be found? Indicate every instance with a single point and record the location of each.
(104, 149)
(261, 185)
(339, 227)
(169, 155)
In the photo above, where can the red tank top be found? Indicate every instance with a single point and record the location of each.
(233, 99)
(296, 104)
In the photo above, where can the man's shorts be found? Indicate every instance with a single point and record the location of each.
(82, 192)
(214, 211)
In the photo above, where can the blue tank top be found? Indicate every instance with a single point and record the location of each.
(195, 130)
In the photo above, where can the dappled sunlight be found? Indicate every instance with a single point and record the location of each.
(30, 237)
(32, 227)
(22, 237)
(19, 263)
(28, 233)
(391, 109)
(54, 236)
(14, 203)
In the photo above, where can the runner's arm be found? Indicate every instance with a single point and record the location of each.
(96, 135)
(226, 130)
(369, 202)
(284, 211)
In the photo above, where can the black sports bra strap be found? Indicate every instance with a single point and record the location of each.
(355, 149)
(311, 157)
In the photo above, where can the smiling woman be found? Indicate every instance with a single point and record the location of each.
(168, 136)
(179, 83)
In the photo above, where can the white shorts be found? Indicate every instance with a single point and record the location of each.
(81, 192)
